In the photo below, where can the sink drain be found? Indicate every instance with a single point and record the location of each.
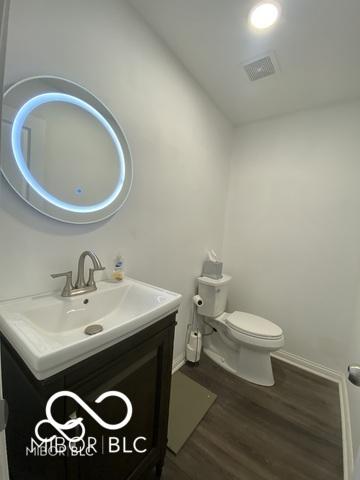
(93, 329)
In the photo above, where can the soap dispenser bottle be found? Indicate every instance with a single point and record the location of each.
(118, 271)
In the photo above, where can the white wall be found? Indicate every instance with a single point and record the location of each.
(292, 241)
(178, 139)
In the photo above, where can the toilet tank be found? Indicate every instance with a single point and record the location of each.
(214, 294)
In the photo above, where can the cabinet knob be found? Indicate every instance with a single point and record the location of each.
(354, 374)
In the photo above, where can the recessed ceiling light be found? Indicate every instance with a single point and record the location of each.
(264, 15)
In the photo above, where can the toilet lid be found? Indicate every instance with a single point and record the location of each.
(253, 325)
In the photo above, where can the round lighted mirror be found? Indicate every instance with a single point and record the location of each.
(63, 151)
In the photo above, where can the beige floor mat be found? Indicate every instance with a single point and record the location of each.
(189, 403)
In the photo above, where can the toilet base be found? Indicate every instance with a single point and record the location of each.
(251, 365)
(215, 357)
(255, 366)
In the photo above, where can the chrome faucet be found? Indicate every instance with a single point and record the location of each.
(81, 286)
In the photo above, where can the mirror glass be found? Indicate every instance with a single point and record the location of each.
(63, 151)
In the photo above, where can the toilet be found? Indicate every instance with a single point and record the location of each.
(241, 342)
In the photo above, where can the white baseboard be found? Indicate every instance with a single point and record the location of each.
(178, 362)
(340, 379)
(308, 365)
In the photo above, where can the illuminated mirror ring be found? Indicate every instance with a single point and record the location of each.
(63, 151)
(18, 125)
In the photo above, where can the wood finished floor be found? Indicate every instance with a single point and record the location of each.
(291, 431)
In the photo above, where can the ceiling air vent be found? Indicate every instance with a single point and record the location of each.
(260, 68)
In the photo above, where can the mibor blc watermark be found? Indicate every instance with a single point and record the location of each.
(63, 444)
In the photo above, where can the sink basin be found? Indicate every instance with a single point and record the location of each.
(48, 331)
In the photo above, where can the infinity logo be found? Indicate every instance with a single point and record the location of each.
(78, 422)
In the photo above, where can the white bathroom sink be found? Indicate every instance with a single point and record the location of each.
(48, 331)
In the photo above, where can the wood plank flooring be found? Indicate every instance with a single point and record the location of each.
(291, 431)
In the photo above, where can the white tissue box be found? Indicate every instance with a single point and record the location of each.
(212, 269)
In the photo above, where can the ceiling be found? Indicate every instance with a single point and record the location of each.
(316, 43)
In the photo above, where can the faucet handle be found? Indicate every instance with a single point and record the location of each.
(65, 274)
(91, 280)
(68, 284)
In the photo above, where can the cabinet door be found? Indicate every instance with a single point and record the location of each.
(26, 408)
(144, 376)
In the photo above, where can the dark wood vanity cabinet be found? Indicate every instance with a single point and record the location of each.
(139, 366)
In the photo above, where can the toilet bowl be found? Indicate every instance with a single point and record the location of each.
(241, 342)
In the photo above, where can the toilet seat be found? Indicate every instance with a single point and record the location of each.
(253, 326)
